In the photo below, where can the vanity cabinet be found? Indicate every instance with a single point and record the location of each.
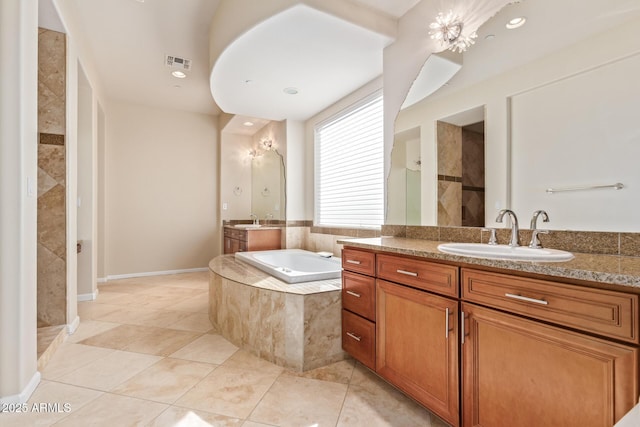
(258, 239)
(358, 306)
(522, 371)
(492, 348)
(417, 346)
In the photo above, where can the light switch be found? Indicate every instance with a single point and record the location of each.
(225, 206)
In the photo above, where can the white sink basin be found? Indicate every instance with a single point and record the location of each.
(519, 253)
(246, 226)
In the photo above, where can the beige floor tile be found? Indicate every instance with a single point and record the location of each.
(294, 401)
(110, 410)
(110, 371)
(91, 310)
(162, 342)
(339, 372)
(90, 328)
(165, 381)
(228, 391)
(59, 401)
(160, 318)
(372, 402)
(119, 337)
(115, 298)
(126, 286)
(182, 417)
(71, 356)
(242, 359)
(127, 314)
(254, 424)
(197, 304)
(208, 348)
(194, 322)
(175, 292)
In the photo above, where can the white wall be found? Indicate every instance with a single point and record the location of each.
(161, 190)
(295, 177)
(496, 95)
(18, 191)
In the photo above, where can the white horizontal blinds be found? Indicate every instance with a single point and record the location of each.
(349, 167)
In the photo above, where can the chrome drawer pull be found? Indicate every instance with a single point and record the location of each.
(408, 273)
(462, 327)
(353, 294)
(353, 261)
(527, 299)
(354, 336)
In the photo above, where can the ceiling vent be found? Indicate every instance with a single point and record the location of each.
(177, 62)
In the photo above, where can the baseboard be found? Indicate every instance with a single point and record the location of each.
(154, 273)
(71, 327)
(102, 280)
(88, 297)
(25, 394)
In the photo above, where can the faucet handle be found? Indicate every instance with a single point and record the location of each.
(493, 240)
(535, 241)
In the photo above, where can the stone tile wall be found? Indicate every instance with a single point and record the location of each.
(52, 266)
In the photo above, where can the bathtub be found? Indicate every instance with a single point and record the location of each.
(293, 265)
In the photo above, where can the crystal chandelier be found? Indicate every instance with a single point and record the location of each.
(448, 31)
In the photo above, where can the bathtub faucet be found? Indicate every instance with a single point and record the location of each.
(254, 217)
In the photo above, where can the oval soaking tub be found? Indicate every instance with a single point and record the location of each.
(294, 265)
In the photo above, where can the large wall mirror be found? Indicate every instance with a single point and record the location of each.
(252, 175)
(552, 113)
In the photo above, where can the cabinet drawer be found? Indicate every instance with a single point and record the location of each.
(439, 278)
(235, 233)
(609, 313)
(359, 338)
(359, 261)
(359, 294)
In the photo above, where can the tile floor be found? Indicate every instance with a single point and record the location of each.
(145, 354)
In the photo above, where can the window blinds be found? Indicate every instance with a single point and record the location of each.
(349, 167)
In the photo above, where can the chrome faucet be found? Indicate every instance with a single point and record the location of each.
(254, 217)
(514, 225)
(267, 218)
(535, 241)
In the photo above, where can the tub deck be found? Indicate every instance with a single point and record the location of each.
(297, 326)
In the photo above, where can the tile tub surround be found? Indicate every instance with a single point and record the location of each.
(296, 326)
(596, 270)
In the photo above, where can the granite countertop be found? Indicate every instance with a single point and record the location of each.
(608, 269)
(262, 227)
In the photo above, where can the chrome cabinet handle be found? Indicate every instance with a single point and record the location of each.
(527, 299)
(446, 323)
(354, 336)
(353, 294)
(353, 261)
(462, 326)
(408, 273)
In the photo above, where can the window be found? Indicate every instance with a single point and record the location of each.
(349, 167)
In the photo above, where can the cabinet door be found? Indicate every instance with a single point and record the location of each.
(417, 346)
(518, 372)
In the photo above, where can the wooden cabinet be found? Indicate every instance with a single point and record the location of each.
(492, 349)
(417, 346)
(519, 372)
(259, 239)
(358, 306)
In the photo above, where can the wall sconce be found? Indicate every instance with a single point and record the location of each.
(448, 30)
(267, 143)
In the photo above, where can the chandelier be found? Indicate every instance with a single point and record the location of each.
(448, 31)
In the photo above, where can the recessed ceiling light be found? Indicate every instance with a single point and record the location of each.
(248, 124)
(516, 22)
(178, 74)
(290, 90)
